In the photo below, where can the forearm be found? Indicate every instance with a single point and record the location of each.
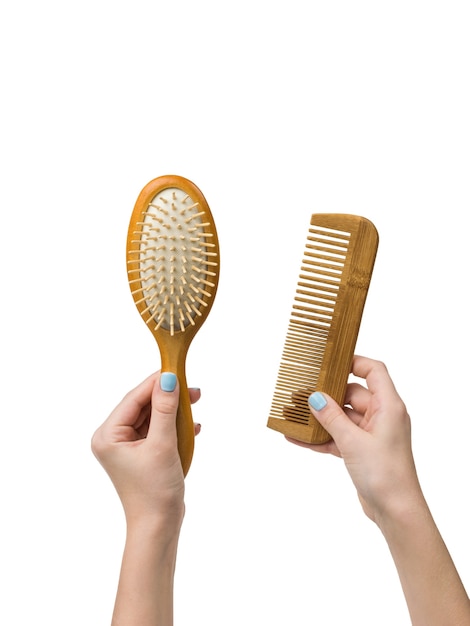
(145, 591)
(431, 584)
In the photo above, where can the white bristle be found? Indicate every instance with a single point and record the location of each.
(170, 282)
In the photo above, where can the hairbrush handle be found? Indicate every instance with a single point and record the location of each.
(185, 429)
(173, 359)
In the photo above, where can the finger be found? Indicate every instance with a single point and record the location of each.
(355, 416)
(194, 394)
(128, 412)
(165, 398)
(375, 374)
(332, 417)
(357, 396)
(142, 422)
(121, 423)
(328, 447)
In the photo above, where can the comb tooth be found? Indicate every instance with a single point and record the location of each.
(335, 273)
(320, 288)
(300, 351)
(300, 373)
(311, 318)
(330, 251)
(319, 273)
(307, 358)
(313, 306)
(330, 234)
(327, 258)
(308, 341)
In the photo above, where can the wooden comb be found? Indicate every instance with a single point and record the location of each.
(331, 292)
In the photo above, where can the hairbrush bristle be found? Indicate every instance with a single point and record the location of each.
(328, 304)
(173, 265)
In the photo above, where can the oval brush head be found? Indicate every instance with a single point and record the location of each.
(173, 269)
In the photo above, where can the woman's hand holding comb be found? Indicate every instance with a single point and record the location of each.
(372, 434)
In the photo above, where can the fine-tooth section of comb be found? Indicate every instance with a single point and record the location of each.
(337, 266)
(173, 269)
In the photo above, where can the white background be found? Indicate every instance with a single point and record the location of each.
(276, 110)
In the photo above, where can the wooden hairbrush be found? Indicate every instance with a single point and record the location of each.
(331, 292)
(173, 269)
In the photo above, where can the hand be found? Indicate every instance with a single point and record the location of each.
(137, 447)
(372, 433)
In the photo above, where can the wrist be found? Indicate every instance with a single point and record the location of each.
(392, 494)
(402, 511)
(155, 527)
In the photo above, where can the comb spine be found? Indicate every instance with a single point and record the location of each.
(344, 331)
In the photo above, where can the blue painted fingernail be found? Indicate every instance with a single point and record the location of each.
(167, 381)
(317, 400)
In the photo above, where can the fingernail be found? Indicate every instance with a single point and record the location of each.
(317, 400)
(167, 381)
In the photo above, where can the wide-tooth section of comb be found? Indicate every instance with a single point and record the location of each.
(334, 280)
(173, 261)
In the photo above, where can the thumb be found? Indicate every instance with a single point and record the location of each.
(165, 397)
(331, 416)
